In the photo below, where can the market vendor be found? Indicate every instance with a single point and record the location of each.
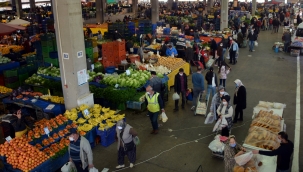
(19, 123)
(80, 151)
(171, 51)
(230, 151)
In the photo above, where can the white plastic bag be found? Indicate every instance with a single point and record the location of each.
(136, 140)
(68, 167)
(210, 118)
(176, 96)
(164, 117)
(216, 146)
(243, 159)
(227, 56)
(256, 43)
(93, 170)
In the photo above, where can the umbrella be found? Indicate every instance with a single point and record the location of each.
(19, 22)
(7, 28)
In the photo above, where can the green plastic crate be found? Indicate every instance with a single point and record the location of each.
(89, 50)
(41, 90)
(55, 62)
(47, 43)
(22, 78)
(48, 48)
(13, 85)
(22, 70)
(10, 73)
(45, 54)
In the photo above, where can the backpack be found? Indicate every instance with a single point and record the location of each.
(270, 21)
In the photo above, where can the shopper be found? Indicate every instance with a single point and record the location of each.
(180, 88)
(171, 51)
(189, 55)
(99, 37)
(224, 70)
(240, 38)
(230, 151)
(216, 100)
(225, 110)
(198, 83)
(287, 40)
(252, 37)
(126, 145)
(80, 151)
(233, 52)
(213, 47)
(284, 152)
(154, 106)
(163, 49)
(219, 59)
(212, 83)
(239, 100)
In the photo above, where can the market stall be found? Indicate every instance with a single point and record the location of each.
(263, 133)
(8, 66)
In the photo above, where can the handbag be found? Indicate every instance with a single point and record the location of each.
(127, 146)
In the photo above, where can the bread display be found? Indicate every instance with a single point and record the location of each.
(268, 120)
(269, 127)
(269, 114)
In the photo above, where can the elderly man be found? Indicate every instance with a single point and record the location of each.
(154, 106)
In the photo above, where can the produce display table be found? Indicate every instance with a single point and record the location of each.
(8, 66)
(172, 75)
(56, 110)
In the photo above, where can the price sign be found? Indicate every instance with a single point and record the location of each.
(127, 72)
(46, 130)
(117, 85)
(8, 138)
(86, 112)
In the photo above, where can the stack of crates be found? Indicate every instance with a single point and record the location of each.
(11, 79)
(131, 29)
(48, 42)
(89, 49)
(22, 74)
(120, 27)
(113, 53)
(145, 27)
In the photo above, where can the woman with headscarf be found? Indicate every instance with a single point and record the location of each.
(231, 149)
(225, 110)
(126, 145)
(239, 100)
(216, 100)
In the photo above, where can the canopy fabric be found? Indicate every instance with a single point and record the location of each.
(19, 22)
(6, 29)
(272, 2)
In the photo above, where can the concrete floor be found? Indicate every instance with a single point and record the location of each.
(266, 75)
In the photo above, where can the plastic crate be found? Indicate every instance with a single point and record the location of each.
(10, 80)
(55, 62)
(107, 136)
(10, 73)
(22, 78)
(110, 69)
(2, 83)
(53, 55)
(89, 50)
(12, 85)
(136, 105)
(88, 43)
(48, 48)
(22, 70)
(41, 90)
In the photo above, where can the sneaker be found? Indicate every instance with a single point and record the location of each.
(193, 108)
(131, 165)
(120, 166)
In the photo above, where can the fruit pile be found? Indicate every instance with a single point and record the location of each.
(15, 48)
(5, 90)
(170, 63)
(54, 99)
(22, 155)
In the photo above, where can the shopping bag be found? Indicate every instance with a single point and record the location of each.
(243, 159)
(210, 118)
(136, 140)
(164, 117)
(227, 56)
(176, 96)
(93, 170)
(69, 167)
(256, 43)
(160, 117)
(216, 146)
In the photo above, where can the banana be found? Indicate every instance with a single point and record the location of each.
(81, 120)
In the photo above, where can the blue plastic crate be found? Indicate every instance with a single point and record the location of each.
(53, 55)
(107, 136)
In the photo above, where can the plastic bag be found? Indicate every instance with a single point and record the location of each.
(221, 123)
(176, 96)
(216, 146)
(210, 118)
(69, 167)
(136, 140)
(256, 43)
(164, 117)
(243, 159)
(160, 117)
(227, 56)
(93, 170)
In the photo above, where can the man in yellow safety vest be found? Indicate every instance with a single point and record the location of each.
(154, 105)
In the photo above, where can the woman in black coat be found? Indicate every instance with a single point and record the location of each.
(239, 100)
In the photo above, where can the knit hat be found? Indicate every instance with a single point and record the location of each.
(226, 97)
(220, 88)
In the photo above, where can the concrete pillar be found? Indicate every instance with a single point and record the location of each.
(135, 7)
(266, 1)
(32, 4)
(169, 4)
(224, 15)
(254, 7)
(100, 11)
(19, 8)
(210, 4)
(71, 51)
(155, 11)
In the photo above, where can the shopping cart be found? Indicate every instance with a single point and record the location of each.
(202, 105)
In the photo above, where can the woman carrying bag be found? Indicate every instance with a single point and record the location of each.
(126, 145)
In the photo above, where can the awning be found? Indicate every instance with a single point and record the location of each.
(6, 29)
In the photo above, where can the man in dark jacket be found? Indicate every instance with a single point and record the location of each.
(275, 24)
(189, 54)
(180, 87)
(163, 49)
(284, 152)
(287, 40)
(252, 37)
(213, 46)
(239, 100)
(212, 82)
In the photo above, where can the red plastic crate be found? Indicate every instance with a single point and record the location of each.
(123, 57)
(119, 53)
(107, 63)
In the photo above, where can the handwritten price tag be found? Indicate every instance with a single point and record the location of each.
(86, 112)
(8, 138)
(46, 130)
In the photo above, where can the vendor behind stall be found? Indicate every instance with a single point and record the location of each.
(180, 45)
(19, 123)
(171, 51)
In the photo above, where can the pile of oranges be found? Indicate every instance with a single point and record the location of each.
(22, 155)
